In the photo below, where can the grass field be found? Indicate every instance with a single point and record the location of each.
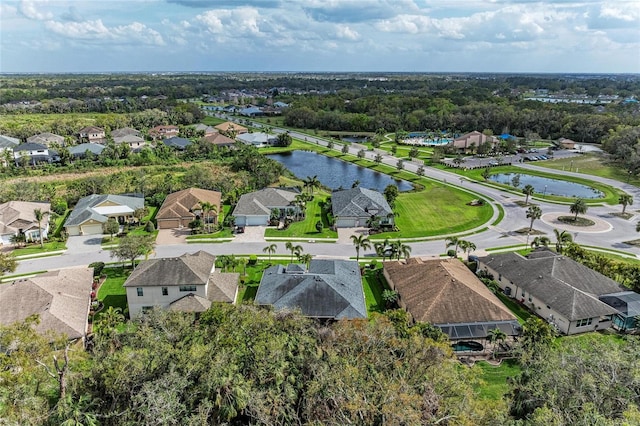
(374, 284)
(35, 248)
(111, 292)
(307, 227)
(591, 164)
(495, 378)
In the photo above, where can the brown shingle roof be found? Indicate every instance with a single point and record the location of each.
(444, 291)
(219, 139)
(61, 298)
(180, 204)
(228, 126)
(188, 269)
(223, 287)
(16, 215)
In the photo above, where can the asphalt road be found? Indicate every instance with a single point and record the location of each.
(500, 235)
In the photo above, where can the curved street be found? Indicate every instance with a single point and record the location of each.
(610, 232)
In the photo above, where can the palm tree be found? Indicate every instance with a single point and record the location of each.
(528, 190)
(305, 258)
(562, 238)
(207, 208)
(533, 213)
(496, 336)
(403, 250)
(467, 247)
(312, 182)
(360, 242)
(625, 200)
(452, 241)
(38, 214)
(578, 207)
(540, 241)
(270, 249)
(293, 249)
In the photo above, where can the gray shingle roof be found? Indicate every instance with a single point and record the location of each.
(29, 146)
(569, 287)
(188, 269)
(81, 149)
(261, 202)
(8, 142)
(84, 208)
(359, 202)
(176, 142)
(329, 289)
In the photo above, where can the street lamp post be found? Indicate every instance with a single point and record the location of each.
(544, 194)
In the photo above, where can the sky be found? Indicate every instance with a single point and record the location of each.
(525, 36)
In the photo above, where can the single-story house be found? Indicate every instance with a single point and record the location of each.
(80, 151)
(125, 131)
(164, 132)
(35, 152)
(231, 129)
(279, 104)
(61, 298)
(473, 140)
(354, 207)
(565, 143)
(558, 289)
(208, 130)
(255, 208)
(188, 283)
(133, 141)
(446, 294)
(252, 111)
(182, 207)
(18, 217)
(47, 139)
(177, 143)
(257, 139)
(627, 303)
(7, 143)
(91, 212)
(218, 139)
(93, 134)
(329, 289)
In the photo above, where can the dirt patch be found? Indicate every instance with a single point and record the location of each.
(625, 215)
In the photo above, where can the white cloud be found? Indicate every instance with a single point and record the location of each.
(628, 12)
(96, 30)
(344, 32)
(32, 10)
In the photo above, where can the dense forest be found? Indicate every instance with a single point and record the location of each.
(247, 365)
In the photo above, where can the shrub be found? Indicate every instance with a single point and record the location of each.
(253, 259)
(149, 227)
(451, 253)
(97, 268)
(373, 264)
(59, 206)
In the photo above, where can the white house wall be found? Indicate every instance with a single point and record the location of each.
(152, 297)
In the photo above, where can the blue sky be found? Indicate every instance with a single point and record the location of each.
(320, 35)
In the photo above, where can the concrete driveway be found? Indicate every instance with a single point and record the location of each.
(251, 234)
(168, 237)
(84, 244)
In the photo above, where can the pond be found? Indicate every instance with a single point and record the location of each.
(355, 139)
(548, 186)
(334, 173)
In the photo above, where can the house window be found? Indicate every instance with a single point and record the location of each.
(165, 291)
(584, 322)
(188, 288)
(140, 291)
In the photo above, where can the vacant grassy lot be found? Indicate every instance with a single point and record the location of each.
(111, 292)
(495, 378)
(436, 210)
(591, 164)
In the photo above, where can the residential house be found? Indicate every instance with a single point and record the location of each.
(627, 303)
(258, 139)
(93, 134)
(356, 206)
(91, 212)
(177, 143)
(182, 207)
(471, 141)
(47, 139)
(556, 288)
(231, 129)
(565, 143)
(34, 153)
(125, 131)
(279, 104)
(218, 139)
(329, 289)
(446, 294)
(256, 208)
(84, 149)
(134, 142)
(18, 217)
(186, 283)
(61, 299)
(7, 143)
(208, 130)
(252, 111)
(164, 132)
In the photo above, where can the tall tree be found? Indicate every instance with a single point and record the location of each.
(110, 227)
(626, 200)
(39, 216)
(293, 248)
(452, 241)
(207, 208)
(534, 213)
(270, 249)
(527, 191)
(8, 263)
(578, 207)
(131, 247)
(360, 242)
(562, 239)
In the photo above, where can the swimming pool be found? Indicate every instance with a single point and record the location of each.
(467, 346)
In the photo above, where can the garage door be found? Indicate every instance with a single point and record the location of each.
(168, 223)
(346, 223)
(73, 230)
(257, 220)
(91, 229)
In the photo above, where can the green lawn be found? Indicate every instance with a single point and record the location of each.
(521, 312)
(374, 284)
(590, 164)
(436, 210)
(111, 292)
(34, 248)
(138, 230)
(495, 378)
(307, 227)
(223, 233)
